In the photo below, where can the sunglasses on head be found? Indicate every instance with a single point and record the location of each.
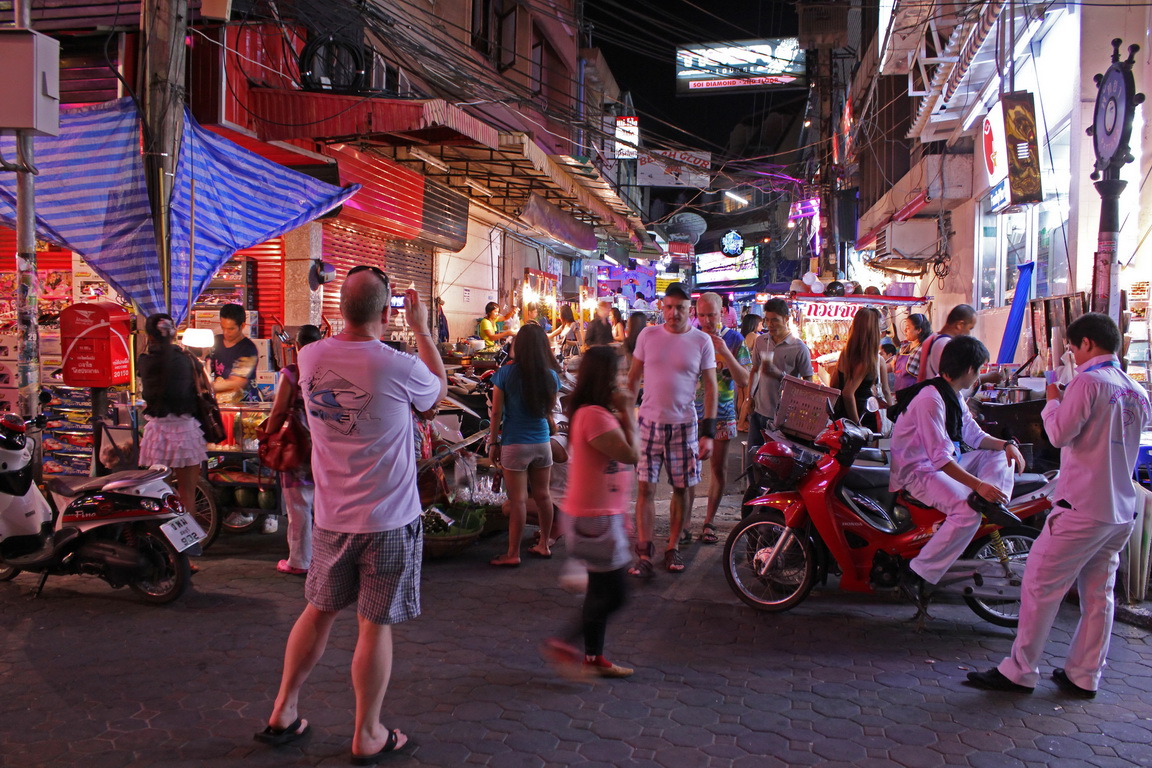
(375, 270)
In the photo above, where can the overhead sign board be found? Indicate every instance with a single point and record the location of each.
(716, 267)
(627, 137)
(674, 168)
(1010, 152)
(741, 65)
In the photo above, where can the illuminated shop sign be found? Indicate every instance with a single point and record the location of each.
(777, 62)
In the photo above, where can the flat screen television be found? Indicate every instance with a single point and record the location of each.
(714, 267)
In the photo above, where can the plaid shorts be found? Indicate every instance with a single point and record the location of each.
(671, 445)
(380, 572)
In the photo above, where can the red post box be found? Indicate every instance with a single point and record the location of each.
(95, 338)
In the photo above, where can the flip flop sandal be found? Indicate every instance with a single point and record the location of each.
(708, 534)
(537, 553)
(685, 537)
(672, 561)
(279, 737)
(376, 757)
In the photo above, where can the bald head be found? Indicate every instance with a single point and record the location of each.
(708, 312)
(363, 298)
(711, 299)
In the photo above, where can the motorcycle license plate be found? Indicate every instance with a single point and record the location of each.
(183, 532)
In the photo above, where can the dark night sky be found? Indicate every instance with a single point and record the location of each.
(639, 39)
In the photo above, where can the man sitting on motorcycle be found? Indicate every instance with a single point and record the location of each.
(942, 458)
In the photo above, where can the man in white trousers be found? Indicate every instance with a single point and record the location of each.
(1096, 422)
(942, 457)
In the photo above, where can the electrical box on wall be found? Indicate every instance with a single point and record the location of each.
(30, 88)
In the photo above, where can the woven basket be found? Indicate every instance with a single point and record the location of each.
(437, 547)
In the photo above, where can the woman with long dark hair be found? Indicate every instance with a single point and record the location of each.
(619, 332)
(860, 367)
(523, 396)
(569, 332)
(172, 434)
(601, 446)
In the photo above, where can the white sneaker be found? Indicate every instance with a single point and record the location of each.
(271, 524)
(238, 519)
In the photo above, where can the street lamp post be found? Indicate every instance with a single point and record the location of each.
(1111, 130)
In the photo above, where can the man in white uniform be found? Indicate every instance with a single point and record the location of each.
(1096, 423)
(942, 457)
(671, 359)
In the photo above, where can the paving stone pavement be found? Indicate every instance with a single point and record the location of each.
(90, 677)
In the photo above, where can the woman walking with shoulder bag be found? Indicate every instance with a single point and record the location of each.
(602, 449)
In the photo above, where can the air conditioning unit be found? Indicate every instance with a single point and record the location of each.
(912, 240)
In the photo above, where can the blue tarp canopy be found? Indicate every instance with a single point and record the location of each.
(91, 198)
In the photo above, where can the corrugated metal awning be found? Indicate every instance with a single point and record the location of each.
(284, 114)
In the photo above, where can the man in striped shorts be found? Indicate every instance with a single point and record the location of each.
(671, 359)
(368, 540)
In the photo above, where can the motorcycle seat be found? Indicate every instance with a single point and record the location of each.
(864, 479)
(1028, 482)
(876, 455)
(75, 486)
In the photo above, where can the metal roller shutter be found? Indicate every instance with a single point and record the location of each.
(269, 284)
(347, 245)
(53, 258)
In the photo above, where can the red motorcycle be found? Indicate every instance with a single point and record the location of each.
(819, 515)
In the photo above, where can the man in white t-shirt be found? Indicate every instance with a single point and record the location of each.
(671, 359)
(368, 541)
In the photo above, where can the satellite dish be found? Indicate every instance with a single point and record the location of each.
(686, 227)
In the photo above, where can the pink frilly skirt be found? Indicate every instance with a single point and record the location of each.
(174, 441)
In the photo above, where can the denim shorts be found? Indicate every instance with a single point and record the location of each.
(519, 458)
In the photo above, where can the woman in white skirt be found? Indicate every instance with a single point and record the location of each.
(172, 434)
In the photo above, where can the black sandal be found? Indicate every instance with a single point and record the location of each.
(642, 570)
(708, 534)
(376, 757)
(643, 567)
(672, 561)
(279, 737)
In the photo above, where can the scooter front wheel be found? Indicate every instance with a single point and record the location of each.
(8, 572)
(1018, 542)
(768, 565)
(167, 571)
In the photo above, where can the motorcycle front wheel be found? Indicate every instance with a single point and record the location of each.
(774, 587)
(166, 572)
(1018, 542)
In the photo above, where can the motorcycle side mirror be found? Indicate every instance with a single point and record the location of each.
(45, 397)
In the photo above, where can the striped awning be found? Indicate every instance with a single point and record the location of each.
(284, 114)
(91, 198)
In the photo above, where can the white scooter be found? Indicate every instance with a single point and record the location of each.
(127, 528)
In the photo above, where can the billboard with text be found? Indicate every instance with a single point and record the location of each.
(741, 65)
